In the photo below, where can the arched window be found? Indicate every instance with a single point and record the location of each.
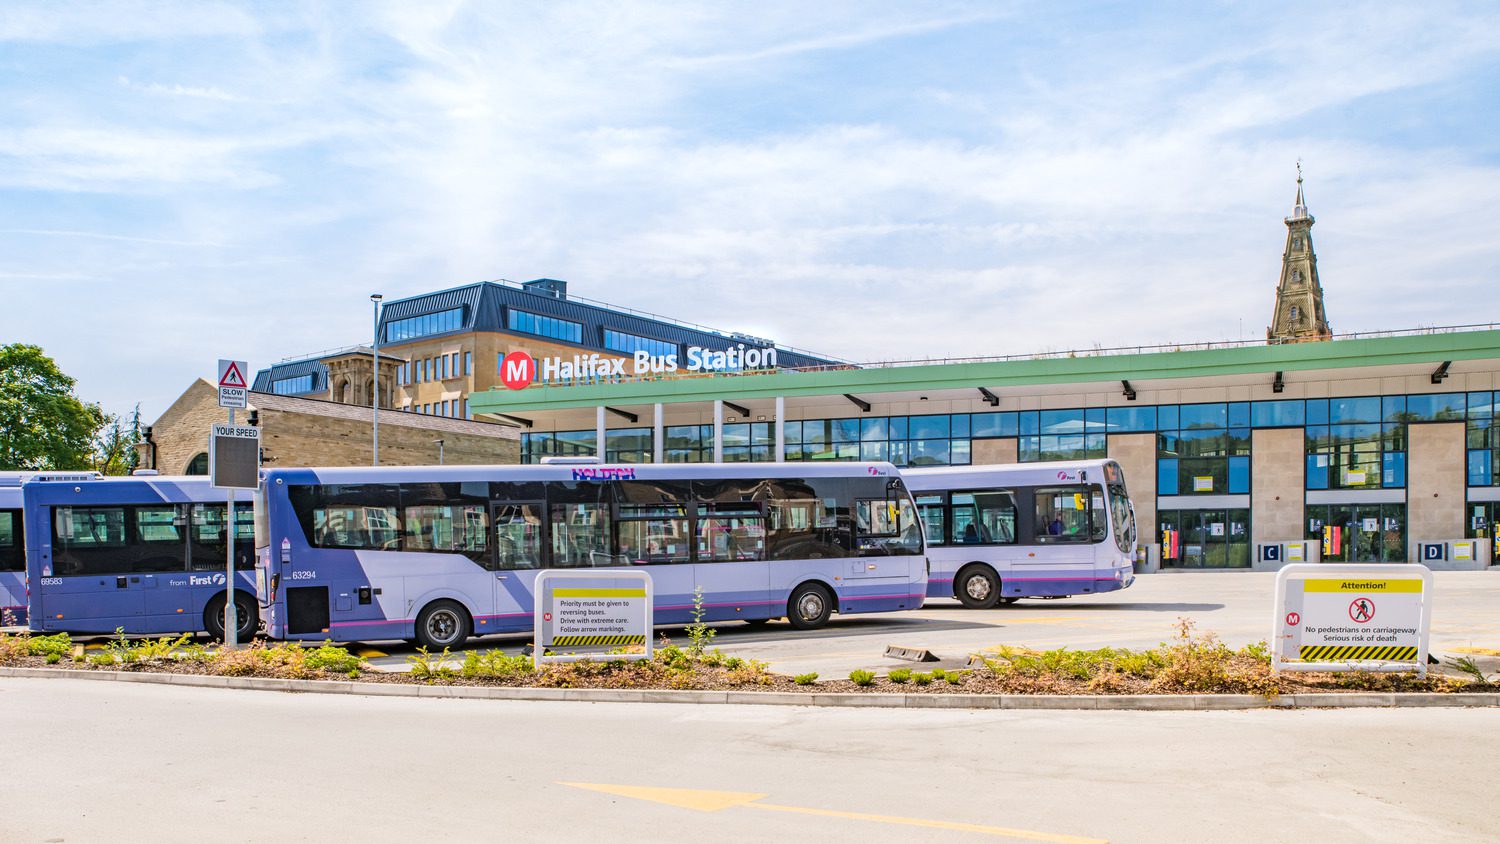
(1296, 313)
(198, 465)
(346, 392)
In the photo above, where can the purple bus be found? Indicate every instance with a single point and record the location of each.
(437, 554)
(143, 554)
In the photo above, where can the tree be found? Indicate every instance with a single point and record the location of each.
(42, 424)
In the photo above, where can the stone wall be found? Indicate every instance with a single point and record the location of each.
(1136, 454)
(1277, 468)
(993, 452)
(1435, 479)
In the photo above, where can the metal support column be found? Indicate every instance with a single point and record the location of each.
(599, 433)
(657, 439)
(780, 429)
(718, 431)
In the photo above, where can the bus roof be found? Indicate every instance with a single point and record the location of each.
(593, 471)
(955, 477)
(121, 490)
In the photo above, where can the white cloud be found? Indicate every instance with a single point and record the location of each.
(870, 181)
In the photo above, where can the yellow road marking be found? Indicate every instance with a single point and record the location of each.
(1478, 651)
(369, 653)
(715, 801)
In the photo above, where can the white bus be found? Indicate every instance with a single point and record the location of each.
(1028, 530)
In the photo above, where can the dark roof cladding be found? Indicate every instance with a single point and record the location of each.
(487, 303)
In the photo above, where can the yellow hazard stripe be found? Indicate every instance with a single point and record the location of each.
(577, 641)
(1348, 653)
(598, 593)
(1363, 585)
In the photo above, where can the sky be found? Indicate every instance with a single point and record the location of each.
(873, 181)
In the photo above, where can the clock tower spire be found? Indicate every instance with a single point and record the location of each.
(1299, 315)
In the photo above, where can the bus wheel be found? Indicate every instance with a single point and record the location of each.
(442, 624)
(809, 607)
(977, 587)
(247, 619)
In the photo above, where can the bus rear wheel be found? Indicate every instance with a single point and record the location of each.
(977, 587)
(442, 624)
(809, 607)
(247, 620)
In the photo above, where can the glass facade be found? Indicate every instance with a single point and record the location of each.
(410, 328)
(620, 341)
(544, 326)
(1483, 440)
(295, 386)
(1479, 519)
(1357, 443)
(1359, 533)
(1203, 449)
(1205, 538)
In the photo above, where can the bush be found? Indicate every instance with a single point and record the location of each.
(331, 658)
(58, 644)
(921, 679)
(862, 677)
(495, 665)
(426, 667)
(806, 679)
(899, 676)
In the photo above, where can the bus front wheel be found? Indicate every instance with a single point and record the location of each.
(977, 587)
(809, 607)
(442, 624)
(247, 619)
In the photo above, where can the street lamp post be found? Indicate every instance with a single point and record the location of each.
(440, 451)
(375, 391)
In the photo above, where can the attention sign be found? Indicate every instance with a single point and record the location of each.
(591, 614)
(1344, 617)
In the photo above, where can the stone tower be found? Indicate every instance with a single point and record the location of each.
(1299, 316)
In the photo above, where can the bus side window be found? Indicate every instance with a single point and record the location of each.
(1062, 514)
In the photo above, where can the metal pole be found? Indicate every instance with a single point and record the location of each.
(231, 615)
(375, 398)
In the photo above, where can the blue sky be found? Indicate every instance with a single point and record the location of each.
(876, 181)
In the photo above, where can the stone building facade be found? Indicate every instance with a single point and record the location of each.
(311, 432)
(1299, 316)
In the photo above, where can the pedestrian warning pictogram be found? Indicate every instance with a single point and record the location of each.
(232, 374)
(1362, 610)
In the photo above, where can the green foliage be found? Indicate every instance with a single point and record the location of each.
(862, 677)
(496, 665)
(335, 660)
(921, 679)
(53, 659)
(699, 634)
(955, 678)
(899, 676)
(806, 679)
(42, 424)
(424, 666)
(1469, 668)
(58, 644)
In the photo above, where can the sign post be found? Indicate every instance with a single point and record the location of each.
(1333, 617)
(233, 463)
(593, 612)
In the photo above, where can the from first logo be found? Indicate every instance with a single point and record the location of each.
(517, 370)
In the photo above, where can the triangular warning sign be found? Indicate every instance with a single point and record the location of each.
(232, 376)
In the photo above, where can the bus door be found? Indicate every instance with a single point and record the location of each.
(518, 539)
(88, 582)
(730, 568)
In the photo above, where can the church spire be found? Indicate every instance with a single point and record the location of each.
(1299, 315)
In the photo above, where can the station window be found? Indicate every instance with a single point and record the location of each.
(1483, 439)
(294, 386)
(1359, 533)
(1203, 449)
(1205, 538)
(1356, 443)
(439, 322)
(620, 341)
(544, 326)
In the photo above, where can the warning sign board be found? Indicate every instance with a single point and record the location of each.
(592, 611)
(234, 389)
(1338, 617)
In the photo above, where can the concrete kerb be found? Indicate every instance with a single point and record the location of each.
(1330, 700)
